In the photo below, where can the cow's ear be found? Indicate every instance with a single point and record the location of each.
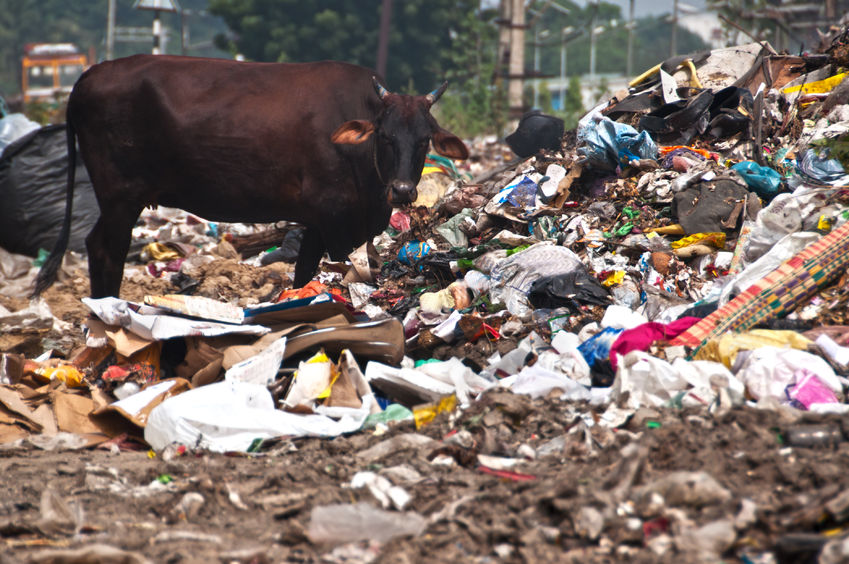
(353, 132)
(449, 145)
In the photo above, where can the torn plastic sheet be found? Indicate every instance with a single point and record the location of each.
(606, 144)
(230, 416)
(538, 382)
(513, 276)
(148, 323)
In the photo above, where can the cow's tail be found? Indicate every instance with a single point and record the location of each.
(50, 269)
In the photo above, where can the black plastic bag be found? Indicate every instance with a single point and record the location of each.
(571, 290)
(536, 131)
(33, 182)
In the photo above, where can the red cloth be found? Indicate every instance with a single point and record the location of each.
(640, 338)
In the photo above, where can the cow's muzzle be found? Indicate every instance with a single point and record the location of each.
(402, 192)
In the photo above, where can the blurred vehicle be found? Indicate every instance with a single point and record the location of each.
(49, 70)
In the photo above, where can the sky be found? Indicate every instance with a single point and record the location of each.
(641, 7)
(653, 7)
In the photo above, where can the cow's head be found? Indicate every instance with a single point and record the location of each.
(402, 132)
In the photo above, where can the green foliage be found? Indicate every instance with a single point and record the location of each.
(573, 107)
(425, 38)
(84, 24)
(545, 98)
(473, 105)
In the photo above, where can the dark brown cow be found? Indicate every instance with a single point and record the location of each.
(321, 144)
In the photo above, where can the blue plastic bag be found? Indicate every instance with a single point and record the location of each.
(764, 181)
(821, 169)
(597, 347)
(413, 252)
(608, 144)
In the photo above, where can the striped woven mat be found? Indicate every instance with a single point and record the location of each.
(777, 293)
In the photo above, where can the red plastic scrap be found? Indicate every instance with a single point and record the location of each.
(507, 474)
(491, 331)
(655, 527)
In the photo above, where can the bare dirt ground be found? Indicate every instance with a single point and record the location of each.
(756, 490)
(590, 495)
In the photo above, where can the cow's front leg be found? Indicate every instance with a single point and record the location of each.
(309, 255)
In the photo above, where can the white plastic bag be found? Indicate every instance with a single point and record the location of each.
(230, 416)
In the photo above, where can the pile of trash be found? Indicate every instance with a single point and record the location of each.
(687, 249)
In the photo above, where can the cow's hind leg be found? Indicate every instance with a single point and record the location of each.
(309, 255)
(108, 244)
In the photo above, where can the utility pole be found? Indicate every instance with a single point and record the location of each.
(110, 30)
(537, 36)
(383, 40)
(563, 33)
(592, 51)
(629, 64)
(673, 43)
(517, 57)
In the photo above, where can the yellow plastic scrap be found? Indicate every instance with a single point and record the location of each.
(725, 348)
(424, 414)
(66, 373)
(321, 358)
(616, 277)
(160, 251)
(694, 77)
(818, 86)
(715, 239)
(824, 223)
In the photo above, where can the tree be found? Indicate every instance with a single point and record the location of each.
(421, 42)
(573, 107)
(474, 105)
(84, 24)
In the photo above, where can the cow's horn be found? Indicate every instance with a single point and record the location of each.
(381, 91)
(434, 96)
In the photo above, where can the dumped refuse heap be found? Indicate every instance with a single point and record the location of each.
(633, 348)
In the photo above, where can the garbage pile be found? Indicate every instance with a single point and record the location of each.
(686, 249)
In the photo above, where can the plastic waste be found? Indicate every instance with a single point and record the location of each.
(812, 435)
(344, 523)
(809, 390)
(727, 346)
(452, 229)
(818, 168)
(412, 252)
(513, 276)
(537, 382)
(571, 289)
(14, 126)
(646, 381)
(536, 131)
(607, 144)
(597, 347)
(230, 416)
(394, 412)
(695, 489)
(768, 371)
(287, 251)
(784, 215)
(764, 181)
(382, 490)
